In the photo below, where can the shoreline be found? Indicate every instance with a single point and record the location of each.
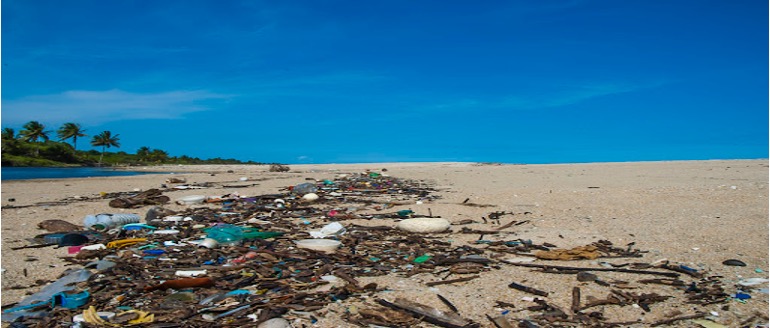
(697, 213)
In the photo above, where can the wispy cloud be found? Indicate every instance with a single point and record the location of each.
(97, 107)
(565, 95)
(541, 98)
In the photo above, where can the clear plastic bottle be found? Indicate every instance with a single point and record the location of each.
(107, 221)
(304, 188)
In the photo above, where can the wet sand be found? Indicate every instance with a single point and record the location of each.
(693, 213)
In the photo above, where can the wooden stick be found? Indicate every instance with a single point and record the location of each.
(575, 299)
(557, 267)
(675, 319)
(507, 225)
(33, 246)
(448, 303)
(444, 282)
(528, 289)
(426, 313)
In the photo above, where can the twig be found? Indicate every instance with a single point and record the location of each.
(675, 319)
(444, 282)
(429, 314)
(448, 303)
(575, 299)
(528, 289)
(33, 246)
(557, 267)
(507, 225)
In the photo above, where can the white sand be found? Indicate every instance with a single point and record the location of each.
(696, 213)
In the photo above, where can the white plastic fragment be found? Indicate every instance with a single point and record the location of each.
(752, 281)
(275, 323)
(190, 273)
(93, 247)
(425, 225)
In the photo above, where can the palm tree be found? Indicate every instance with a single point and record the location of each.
(8, 139)
(34, 130)
(158, 155)
(9, 134)
(71, 130)
(105, 140)
(143, 153)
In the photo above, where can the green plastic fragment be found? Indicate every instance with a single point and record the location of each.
(422, 259)
(404, 213)
(153, 245)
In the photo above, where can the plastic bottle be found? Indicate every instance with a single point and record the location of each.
(107, 221)
(225, 234)
(304, 188)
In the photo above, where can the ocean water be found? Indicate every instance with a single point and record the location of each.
(23, 173)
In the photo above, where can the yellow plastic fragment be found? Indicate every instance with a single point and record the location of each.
(125, 242)
(144, 317)
(91, 316)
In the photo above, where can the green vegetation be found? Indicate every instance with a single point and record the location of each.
(33, 147)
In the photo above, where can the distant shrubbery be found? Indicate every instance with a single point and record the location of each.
(32, 147)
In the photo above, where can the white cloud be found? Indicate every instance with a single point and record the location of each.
(97, 107)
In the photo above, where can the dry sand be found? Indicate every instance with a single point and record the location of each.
(696, 213)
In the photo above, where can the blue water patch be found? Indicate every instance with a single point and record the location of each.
(23, 173)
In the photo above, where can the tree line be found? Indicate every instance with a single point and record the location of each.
(32, 146)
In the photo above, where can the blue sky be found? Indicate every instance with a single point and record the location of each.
(382, 81)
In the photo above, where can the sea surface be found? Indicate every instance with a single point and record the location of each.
(23, 173)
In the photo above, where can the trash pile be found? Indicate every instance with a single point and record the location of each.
(280, 259)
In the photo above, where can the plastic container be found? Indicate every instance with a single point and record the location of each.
(191, 200)
(228, 234)
(107, 221)
(304, 188)
(225, 234)
(323, 245)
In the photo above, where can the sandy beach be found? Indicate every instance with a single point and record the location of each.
(695, 214)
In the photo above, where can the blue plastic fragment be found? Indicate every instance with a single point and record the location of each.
(686, 268)
(238, 292)
(138, 226)
(742, 296)
(70, 301)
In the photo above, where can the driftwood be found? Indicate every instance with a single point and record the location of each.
(528, 289)
(444, 282)
(429, 314)
(448, 303)
(578, 269)
(672, 320)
